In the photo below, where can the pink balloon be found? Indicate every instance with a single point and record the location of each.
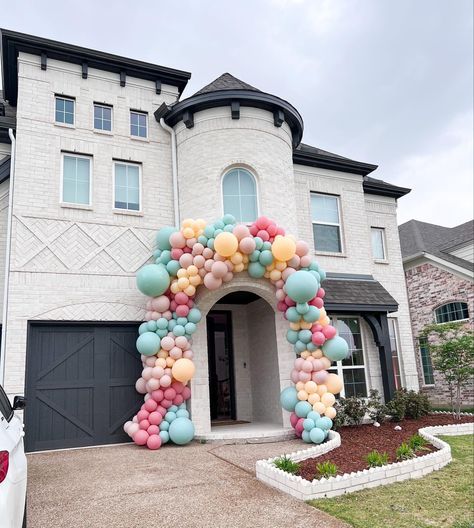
(186, 250)
(295, 376)
(263, 235)
(317, 365)
(198, 248)
(153, 442)
(317, 301)
(168, 315)
(279, 284)
(148, 315)
(176, 353)
(186, 260)
(188, 354)
(241, 231)
(177, 386)
(228, 277)
(299, 425)
(293, 419)
(133, 429)
(263, 222)
(181, 298)
(280, 295)
(150, 361)
(307, 366)
(294, 262)
(167, 343)
(299, 362)
(186, 393)
(176, 253)
(305, 261)
(178, 399)
(157, 395)
(282, 306)
(219, 269)
(182, 310)
(166, 403)
(161, 303)
(181, 342)
(253, 229)
(142, 415)
(302, 248)
(161, 410)
(141, 437)
(153, 384)
(211, 282)
(247, 245)
(147, 373)
(208, 264)
(287, 272)
(155, 418)
(144, 424)
(321, 293)
(329, 331)
(165, 381)
(190, 243)
(153, 430)
(177, 240)
(199, 261)
(170, 393)
(318, 338)
(304, 376)
(208, 253)
(151, 405)
(320, 377)
(289, 301)
(272, 229)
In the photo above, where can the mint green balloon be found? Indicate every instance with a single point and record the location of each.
(312, 315)
(292, 336)
(163, 237)
(153, 280)
(305, 336)
(336, 348)
(289, 399)
(266, 257)
(148, 343)
(302, 308)
(254, 256)
(256, 270)
(292, 315)
(301, 286)
(172, 267)
(181, 431)
(194, 315)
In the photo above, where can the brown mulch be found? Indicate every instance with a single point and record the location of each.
(357, 441)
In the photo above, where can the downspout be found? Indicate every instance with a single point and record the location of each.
(7, 257)
(174, 169)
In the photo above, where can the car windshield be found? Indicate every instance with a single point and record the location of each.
(5, 406)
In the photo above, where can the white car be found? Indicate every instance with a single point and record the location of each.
(12, 464)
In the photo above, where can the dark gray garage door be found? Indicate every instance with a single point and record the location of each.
(80, 384)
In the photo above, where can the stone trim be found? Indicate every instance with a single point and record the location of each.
(367, 478)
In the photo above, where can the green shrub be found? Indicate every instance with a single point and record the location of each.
(354, 410)
(396, 407)
(404, 452)
(286, 464)
(417, 443)
(375, 459)
(340, 419)
(416, 405)
(326, 469)
(377, 410)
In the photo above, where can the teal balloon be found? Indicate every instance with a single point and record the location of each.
(142, 328)
(305, 336)
(164, 426)
(181, 431)
(148, 344)
(173, 408)
(322, 274)
(292, 315)
(312, 315)
(316, 275)
(171, 324)
(313, 415)
(157, 253)
(209, 231)
(153, 280)
(202, 240)
(170, 416)
(308, 424)
(162, 332)
(254, 256)
(165, 256)
(266, 257)
(182, 413)
(163, 237)
(313, 265)
(172, 267)
(181, 321)
(219, 224)
(311, 347)
(336, 349)
(302, 409)
(162, 323)
(179, 330)
(229, 228)
(151, 326)
(324, 423)
(218, 231)
(228, 219)
(306, 436)
(210, 244)
(164, 435)
(302, 308)
(267, 245)
(190, 328)
(301, 286)
(289, 399)
(292, 336)
(317, 435)
(299, 346)
(194, 315)
(258, 242)
(256, 270)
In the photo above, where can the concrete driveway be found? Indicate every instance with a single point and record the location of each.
(195, 486)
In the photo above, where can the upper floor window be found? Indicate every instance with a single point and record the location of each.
(453, 311)
(325, 215)
(64, 110)
(239, 191)
(426, 365)
(378, 243)
(138, 124)
(127, 186)
(102, 117)
(76, 180)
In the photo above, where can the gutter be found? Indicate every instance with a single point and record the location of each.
(7, 257)
(174, 169)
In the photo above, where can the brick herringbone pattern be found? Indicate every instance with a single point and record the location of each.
(95, 311)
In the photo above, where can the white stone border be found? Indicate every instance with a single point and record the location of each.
(368, 478)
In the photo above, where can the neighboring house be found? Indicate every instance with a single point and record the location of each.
(439, 267)
(93, 182)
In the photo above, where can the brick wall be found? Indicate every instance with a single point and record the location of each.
(430, 286)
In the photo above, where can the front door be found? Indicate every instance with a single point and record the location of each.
(221, 367)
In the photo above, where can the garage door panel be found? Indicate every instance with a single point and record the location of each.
(80, 384)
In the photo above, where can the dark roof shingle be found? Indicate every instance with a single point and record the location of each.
(226, 82)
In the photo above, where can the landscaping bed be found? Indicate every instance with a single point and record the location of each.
(358, 441)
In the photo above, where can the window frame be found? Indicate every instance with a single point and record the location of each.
(61, 190)
(103, 105)
(339, 224)
(339, 368)
(397, 344)
(420, 346)
(453, 320)
(65, 98)
(257, 196)
(384, 244)
(139, 112)
(119, 210)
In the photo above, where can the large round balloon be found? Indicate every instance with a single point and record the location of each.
(283, 248)
(289, 398)
(153, 280)
(148, 344)
(301, 286)
(163, 237)
(183, 370)
(226, 244)
(181, 431)
(336, 348)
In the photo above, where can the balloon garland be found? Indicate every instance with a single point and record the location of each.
(210, 254)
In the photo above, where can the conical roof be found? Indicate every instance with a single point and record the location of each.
(226, 81)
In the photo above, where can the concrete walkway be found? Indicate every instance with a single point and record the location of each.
(195, 486)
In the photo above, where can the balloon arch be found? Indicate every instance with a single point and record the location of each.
(210, 254)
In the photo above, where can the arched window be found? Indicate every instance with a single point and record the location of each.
(453, 311)
(239, 190)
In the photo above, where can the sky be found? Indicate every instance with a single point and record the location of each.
(388, 82)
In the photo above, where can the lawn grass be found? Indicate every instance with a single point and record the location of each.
(442, 499)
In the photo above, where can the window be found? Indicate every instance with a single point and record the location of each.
(453, 311)
(64, 110)
(326, 223)
(5, 407)
(138, 124)
(378, 243)
(352, 369)
(76, 179)
(102, 117)
(392, 331)
(426, 365)
(239, 191)
(127, 186)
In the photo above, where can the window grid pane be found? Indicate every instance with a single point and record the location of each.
(378, 250)
(138, 124)
(324, 209)
(449, 312)
(103, 118)
(392, 330)
(426, 363)
(327, 238)
(64, 111)
(326, 223)
(240, 195)
(76, 180)
(127, 187)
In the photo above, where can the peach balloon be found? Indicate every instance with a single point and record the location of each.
(299, 386)
(310, 387)
(226, 244)
(334, 383)
(183, 370)
(319, 407)
(330, 412)
(328, 399)
(302, 395)
(314, 398)
(322, 389)
(283, 248)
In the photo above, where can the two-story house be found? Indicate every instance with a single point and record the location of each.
(99, 152)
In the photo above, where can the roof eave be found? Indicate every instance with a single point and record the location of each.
(357, 308)
(327, 162)
(391, 191)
